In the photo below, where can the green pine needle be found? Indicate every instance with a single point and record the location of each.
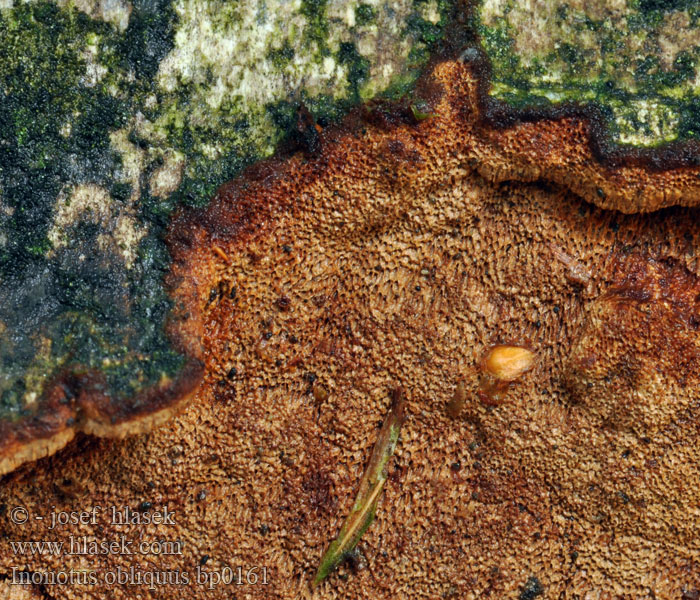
(365, 506)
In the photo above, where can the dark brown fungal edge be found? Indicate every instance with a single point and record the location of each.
(501, 115)
(76, 403)
(462, 42)
(669, 167)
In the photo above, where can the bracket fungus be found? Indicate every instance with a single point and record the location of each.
(578, 493)
(381, 259)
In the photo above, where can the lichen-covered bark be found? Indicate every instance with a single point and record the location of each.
(636, 61)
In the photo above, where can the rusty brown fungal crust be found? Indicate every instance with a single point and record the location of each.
(642, 335)
(564, 145)
(401, 265)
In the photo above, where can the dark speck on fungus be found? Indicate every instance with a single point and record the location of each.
(532, 589)
(283, 303)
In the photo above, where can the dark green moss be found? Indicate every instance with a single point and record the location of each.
(399, 89)
(572, 56)
(365, 14)
(54, 130)
(532, 589)
(120, 191)
(324, 108)
(358, 67)
(647, 6)
(39, 66)
(689, 125)
(281, 57)
(148, 38)
(422, 29)
(498, 44)
(315, 13)
(204, 177)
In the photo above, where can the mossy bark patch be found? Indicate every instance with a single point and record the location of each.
(636, 61)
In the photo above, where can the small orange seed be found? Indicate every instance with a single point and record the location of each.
(507, 363)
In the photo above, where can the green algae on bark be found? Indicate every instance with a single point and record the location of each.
(636, 61)
(112, 115)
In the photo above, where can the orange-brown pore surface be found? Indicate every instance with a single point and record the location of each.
(321, 283)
